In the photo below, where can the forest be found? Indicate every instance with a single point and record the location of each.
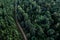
(29, 19)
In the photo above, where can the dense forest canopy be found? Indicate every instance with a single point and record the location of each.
(32, 19)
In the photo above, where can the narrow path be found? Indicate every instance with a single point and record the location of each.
(17, 23)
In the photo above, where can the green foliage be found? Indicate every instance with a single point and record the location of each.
(40, 19)
(43, 16)
(8, 29)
